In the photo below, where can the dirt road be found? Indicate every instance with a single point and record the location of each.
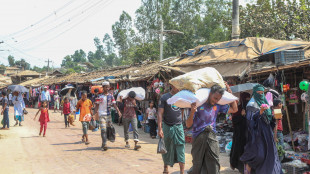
(23, 151)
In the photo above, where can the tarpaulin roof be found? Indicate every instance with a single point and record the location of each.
(234, 69)
(237, 50)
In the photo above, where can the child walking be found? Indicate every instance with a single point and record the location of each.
(44, 117)
(66, 111)
(151, 115)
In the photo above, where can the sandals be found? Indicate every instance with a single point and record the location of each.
(127, 146)
(137, 147)
(87, 143)
(104, 148)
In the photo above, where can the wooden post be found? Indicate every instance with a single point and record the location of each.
(289, 126)
(304, 107)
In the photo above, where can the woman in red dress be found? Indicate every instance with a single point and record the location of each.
(44, 118)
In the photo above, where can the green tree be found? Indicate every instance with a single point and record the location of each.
(11, 61)
(38, 69)
(201, 21)
(146, 51)
(23, 64)
(123, 35)
(79, 56)
(279, 19)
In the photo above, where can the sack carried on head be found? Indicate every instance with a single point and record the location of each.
(202, 78)
(136, 92)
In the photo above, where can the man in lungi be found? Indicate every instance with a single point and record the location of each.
(170, 128)
(205, 146)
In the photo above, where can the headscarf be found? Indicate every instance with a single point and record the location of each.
(261, 99)
(243, 99)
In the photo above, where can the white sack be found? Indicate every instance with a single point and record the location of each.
(227, 98)
(140, 93)
(185, 98)
(202, 78)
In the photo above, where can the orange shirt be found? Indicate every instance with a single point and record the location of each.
(84, 107)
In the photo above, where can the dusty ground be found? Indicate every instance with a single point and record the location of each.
(23, 151)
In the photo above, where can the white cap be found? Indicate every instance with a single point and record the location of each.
(45, 87)
(105, 83)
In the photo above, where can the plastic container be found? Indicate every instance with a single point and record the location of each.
(140, 117)
(100, 88)
(147, 129)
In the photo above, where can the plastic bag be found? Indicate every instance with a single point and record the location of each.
(202, 78)
(111, 133)
(71, 119)
(269, 82)
(92, 124)
(140, 93)
(269, 98)
(161, 148)
(185, 98)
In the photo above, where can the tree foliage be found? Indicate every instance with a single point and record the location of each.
(11, 61)
(22, 63)
(279, 19)
(201, 21)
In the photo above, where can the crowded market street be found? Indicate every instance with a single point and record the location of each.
(61, 151)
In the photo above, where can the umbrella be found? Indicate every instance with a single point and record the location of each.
(18, 88)
(67, 89)
(246, 87)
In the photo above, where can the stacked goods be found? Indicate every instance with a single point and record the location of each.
(195, 88)
(202, 78)
(140, 93)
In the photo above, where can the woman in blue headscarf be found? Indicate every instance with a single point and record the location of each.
(260, 153)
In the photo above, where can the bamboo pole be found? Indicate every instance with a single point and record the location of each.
(289, 126)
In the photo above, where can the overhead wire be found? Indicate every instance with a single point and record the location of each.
(58, 18)
(55, 37)
(106, 3)
(30, 40)
(22, 52)
(43, 19)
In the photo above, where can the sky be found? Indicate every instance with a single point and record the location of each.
(42, 30)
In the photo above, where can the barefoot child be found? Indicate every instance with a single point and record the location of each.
(44, 117)
(66, 111)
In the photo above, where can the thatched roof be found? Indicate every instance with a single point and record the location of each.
(34, 82)
(5, 81)
(27, 73)
(12, 68)
(127, 73)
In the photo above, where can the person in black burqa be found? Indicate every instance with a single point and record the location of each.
(239, 129)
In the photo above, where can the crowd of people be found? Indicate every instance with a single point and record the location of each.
(254, 141)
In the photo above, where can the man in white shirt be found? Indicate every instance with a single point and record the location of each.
(45, 96)
(103, 112)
